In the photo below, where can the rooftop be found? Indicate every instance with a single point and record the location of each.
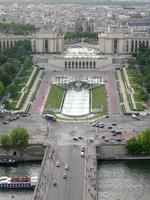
(81, 52)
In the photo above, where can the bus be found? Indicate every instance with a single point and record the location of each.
(49, 117)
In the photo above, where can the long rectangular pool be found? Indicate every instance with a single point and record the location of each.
(76, 103)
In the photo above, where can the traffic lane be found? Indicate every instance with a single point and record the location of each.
(72, 187)
(76, 185)
(58, 192)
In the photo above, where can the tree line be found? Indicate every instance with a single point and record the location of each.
(139, 144)
(16, 28)
(11, 60)
(81, 34)
(17, 139)
(141, 63)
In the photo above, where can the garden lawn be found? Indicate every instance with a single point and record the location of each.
(55, 97)
(99, 97)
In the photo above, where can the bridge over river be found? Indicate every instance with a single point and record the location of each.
(80, 181)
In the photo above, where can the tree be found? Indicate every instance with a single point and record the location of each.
(133, 146)
(145, 140)
(2, 88)
(140, 144)
(12, 90)
(10, 68)
(5, 142)
(131, 63)
(3, 58)
(19, 138)
(6, 78)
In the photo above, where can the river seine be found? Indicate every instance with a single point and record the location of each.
(124, 180)
(116, 180)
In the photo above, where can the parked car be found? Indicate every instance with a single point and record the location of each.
(109, 127)
(118, 132)
(118, 139)
(113, 131)
(74, 138)
(114, 134)
(5, 122)
(101, 126)
(114, 124)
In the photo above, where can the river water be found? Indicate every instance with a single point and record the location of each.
(124, 180)
(116, 180)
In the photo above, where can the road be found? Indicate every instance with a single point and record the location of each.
(62, 132)
(72, 187)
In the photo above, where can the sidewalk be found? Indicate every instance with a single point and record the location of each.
(90, 184)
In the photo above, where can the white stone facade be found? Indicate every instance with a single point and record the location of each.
(80, 58)
(40, 42)
(119, 42)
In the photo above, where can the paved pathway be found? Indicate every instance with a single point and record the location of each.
(41, 95)
(114, 104)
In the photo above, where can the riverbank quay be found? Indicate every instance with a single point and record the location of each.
(33, 152)
(112, 152)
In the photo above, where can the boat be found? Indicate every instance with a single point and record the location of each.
(8, 162)
(18, 182)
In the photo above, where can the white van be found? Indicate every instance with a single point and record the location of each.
(82, 154)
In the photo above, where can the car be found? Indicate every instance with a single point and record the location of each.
(109, 127)
(118, 132)
(114, 124)
(74, 138)
(5, 122)
(95, 124)
(113, 131)
(54, 183)
(114, 134)
(24, 115)
(103, 137)
(80, 137)
(82, 154)
(66, 167)
(107, 116)
(64, 175)
(101, 125)
(57, 164)
(118, 139)
(15, 117)
(106, 140)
